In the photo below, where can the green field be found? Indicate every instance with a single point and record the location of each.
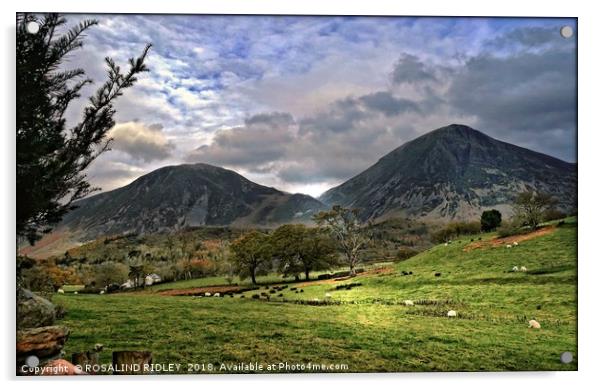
(367, 328)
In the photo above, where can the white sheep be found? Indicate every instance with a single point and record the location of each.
(515, 268)
(522, 268)
(216, 295)
(327, 296)
(452, 313)
(75, 292)
(60, 291)
(102, 292)
(315, 300)
(207, 294)
(508, 246)
(534, 324)
(446, 243)
(515, 243)
(409, 303)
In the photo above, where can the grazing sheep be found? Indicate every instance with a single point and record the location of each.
(446, 243)
(534, 324)
(316, 300)
(409, 303)
(98, 347)
(102, 292)
(452, 313)
(515, 243)
(216, 295)
(508, 246)
(75, 292)
(522, 268)
(60, 291)
(515, 268)
(327, 296)
(207, 294)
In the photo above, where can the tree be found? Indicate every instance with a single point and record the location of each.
(51, 158)
(490, 220)
(250, 253)
(344, 226)
(109, 273)
(529, 207)
(137, 274)
(300, 249)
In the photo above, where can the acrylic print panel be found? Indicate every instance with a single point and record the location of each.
(295, 194)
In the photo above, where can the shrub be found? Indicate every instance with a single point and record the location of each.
(455, 229)
(404, 253)
(490, 220)
(509, 229)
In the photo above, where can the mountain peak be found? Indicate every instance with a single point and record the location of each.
(453, 172)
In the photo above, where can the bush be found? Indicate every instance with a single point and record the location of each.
(509, 229)
(553, 214)
(455, 229)
(404, 253)
(490, 220)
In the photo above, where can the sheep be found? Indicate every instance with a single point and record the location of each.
(452, 313)
(327, 296)
(102, 292)
(75, 292)
(515, 243)
(515, 268)
(207, 294)
(522, 268)
(446, 243)
(408, 303)
(216, 295)
(534, 324)
(508, 246)
(316, 300)
(60, 291)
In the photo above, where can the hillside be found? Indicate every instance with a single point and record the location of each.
(493, 305)
(453, 173)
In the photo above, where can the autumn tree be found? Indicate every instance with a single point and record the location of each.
(52, 157)
(250, 253)
(344, 226)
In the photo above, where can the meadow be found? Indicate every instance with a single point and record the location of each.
(366, 327)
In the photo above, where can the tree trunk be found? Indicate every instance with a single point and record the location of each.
(307, 274)
(253, 276)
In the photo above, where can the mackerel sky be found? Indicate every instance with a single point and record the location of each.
(304, 103)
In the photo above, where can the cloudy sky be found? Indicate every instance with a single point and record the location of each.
(304, 103)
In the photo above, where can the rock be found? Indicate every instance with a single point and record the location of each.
(34, 311)
(41, 341)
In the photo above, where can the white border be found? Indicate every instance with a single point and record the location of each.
(589, 161)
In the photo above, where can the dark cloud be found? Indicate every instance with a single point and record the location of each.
(262, 139)
(388, 104)
(528, 93)
(409, 69)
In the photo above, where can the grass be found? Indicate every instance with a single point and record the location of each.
(366, 328)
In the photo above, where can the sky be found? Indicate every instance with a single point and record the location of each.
(304, 103)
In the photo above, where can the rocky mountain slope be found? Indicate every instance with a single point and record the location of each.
(454, 173)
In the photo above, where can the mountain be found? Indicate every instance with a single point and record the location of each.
(174, 197)
(453, 173)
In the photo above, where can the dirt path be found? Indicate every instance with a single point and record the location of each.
(496, 242)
